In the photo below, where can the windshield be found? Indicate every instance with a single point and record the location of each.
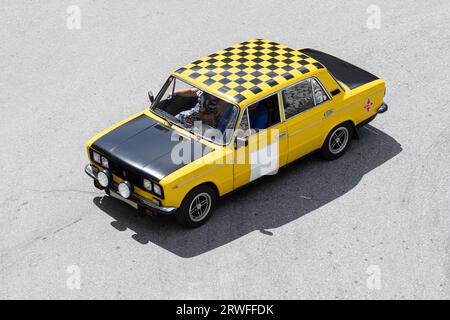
(196, 111)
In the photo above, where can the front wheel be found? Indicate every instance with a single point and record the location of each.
(337, 141)
(196, 207)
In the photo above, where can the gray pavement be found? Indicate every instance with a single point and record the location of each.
(373, 224)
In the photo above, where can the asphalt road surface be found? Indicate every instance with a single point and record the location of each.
(374, 224)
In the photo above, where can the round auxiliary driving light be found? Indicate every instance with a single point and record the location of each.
(103, 178)
(125, 189)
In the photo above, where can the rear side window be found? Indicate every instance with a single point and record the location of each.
(319, 94)
(298, 98)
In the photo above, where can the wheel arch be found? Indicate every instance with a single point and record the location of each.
(352, 124)
(211, 184)
(349, 121)
(183, 214)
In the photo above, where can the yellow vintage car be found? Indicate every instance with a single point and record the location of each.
(227, 119)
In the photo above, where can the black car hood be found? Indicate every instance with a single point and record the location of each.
(143, 145)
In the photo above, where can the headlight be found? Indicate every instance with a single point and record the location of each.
(103, 178)
(157, 189)
(148, 185)
(125, 189)
(105, 162)
(96, 157)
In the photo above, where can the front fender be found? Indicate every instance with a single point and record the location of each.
(211, 168)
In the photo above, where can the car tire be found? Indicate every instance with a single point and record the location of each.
(197, 207)
(337, 141)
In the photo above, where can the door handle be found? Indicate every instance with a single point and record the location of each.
(282, 134)
(328, 113)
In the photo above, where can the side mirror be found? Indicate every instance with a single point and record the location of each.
(150, 96)
(240, 142)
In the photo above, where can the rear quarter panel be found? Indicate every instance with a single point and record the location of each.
(350, 103)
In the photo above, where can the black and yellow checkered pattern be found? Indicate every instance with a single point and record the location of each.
(243, 71)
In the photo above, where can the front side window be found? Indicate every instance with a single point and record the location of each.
(196, 111)
(244, 127)
(264, 113)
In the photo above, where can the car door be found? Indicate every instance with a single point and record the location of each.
(260, 150)
(306, 105)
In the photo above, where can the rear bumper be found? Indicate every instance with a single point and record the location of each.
(383, 108)
(134, 198)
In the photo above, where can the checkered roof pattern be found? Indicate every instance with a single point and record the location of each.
(248, 69)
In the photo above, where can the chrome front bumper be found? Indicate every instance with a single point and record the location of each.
(134, 198)
(90, 171)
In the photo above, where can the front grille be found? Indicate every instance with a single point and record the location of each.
(134, 177)
(125, 174)
(121, 172)
(130, 174)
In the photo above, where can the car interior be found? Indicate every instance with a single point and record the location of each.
(177, 104)
(272, 107)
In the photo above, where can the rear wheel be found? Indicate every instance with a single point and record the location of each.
(196, 207)
(337, 141)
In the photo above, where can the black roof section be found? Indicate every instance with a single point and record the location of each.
(351, 75)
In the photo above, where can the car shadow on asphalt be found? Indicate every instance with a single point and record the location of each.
(268, 203)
